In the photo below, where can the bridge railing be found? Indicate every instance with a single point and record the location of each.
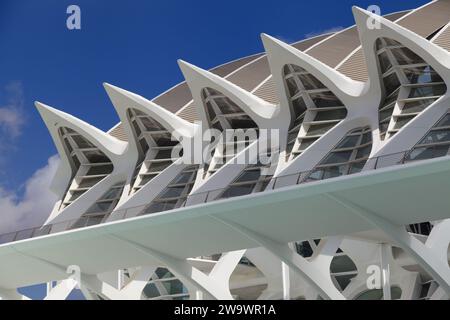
(217, 194)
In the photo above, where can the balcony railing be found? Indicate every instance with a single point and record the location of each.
(212, 195)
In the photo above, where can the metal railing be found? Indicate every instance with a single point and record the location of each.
(212, 195)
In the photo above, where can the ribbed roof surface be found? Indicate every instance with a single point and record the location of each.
(443, 39)
(340, 50)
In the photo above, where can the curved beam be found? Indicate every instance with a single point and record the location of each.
(258, 109)
(279, 54)
(179, 128)
(123, 100)
(111, 147)
(314, 272)
(434, 55)
(189, 275)
(425, 257)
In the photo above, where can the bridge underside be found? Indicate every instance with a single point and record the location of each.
(398, 195)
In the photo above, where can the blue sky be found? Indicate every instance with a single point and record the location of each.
(132, 44)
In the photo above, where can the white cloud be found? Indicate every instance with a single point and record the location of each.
(34, 207)
(320, 32)
(12, 117)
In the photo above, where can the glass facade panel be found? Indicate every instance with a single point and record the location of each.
(175, 194)
(428, 91)
(87, 161)
(149, 132)
(338, 157)
(435, 143)
(325, 100)
(348, 157)
(418, 81)
(229, 116)
(303, 86)
(252, 179)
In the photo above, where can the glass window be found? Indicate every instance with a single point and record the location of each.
(146, 178)
(304, 249)
(315, 175)
(164, 139)
(385, 63)
(366, 138)
(137, 112)
(306, 142)
(436, 136)
(100, 170)
(336, 114)
(319, 129)
(445, 122)
(357, 167)
(227, 106)
(299, 106)
(353, 143)
(402, 121)
(173, 286)
(137, 130)
(421, 154)
(344, 280)
(424, 74)
(99, 207)
(348, 142)
(74, 195)
(183, 177)
(364, 152)
(386, 114)
(405, 56)
(172, 192)
(164, 154)
(68, 145)
(82, 142)
(391, 98)
(391, 83)
(112, 193)
(144, 146)
(240, 190)
(310, 82)
(89, 182)
(416, 106)
(292, 86)
(161, 206)
(96, 156)
(210, 111)
(342, 264)
(242, 122)
(150, 124)
(76, 162)
(384, 126)
(440, 151)
(250, 175)
(377, 294)
(158, 166)
(428, 91)
(150, 290)
(335, 171)
(325, 100)
(92, 221)
(338, 157)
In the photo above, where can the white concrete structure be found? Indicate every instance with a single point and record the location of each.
(352, 206)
